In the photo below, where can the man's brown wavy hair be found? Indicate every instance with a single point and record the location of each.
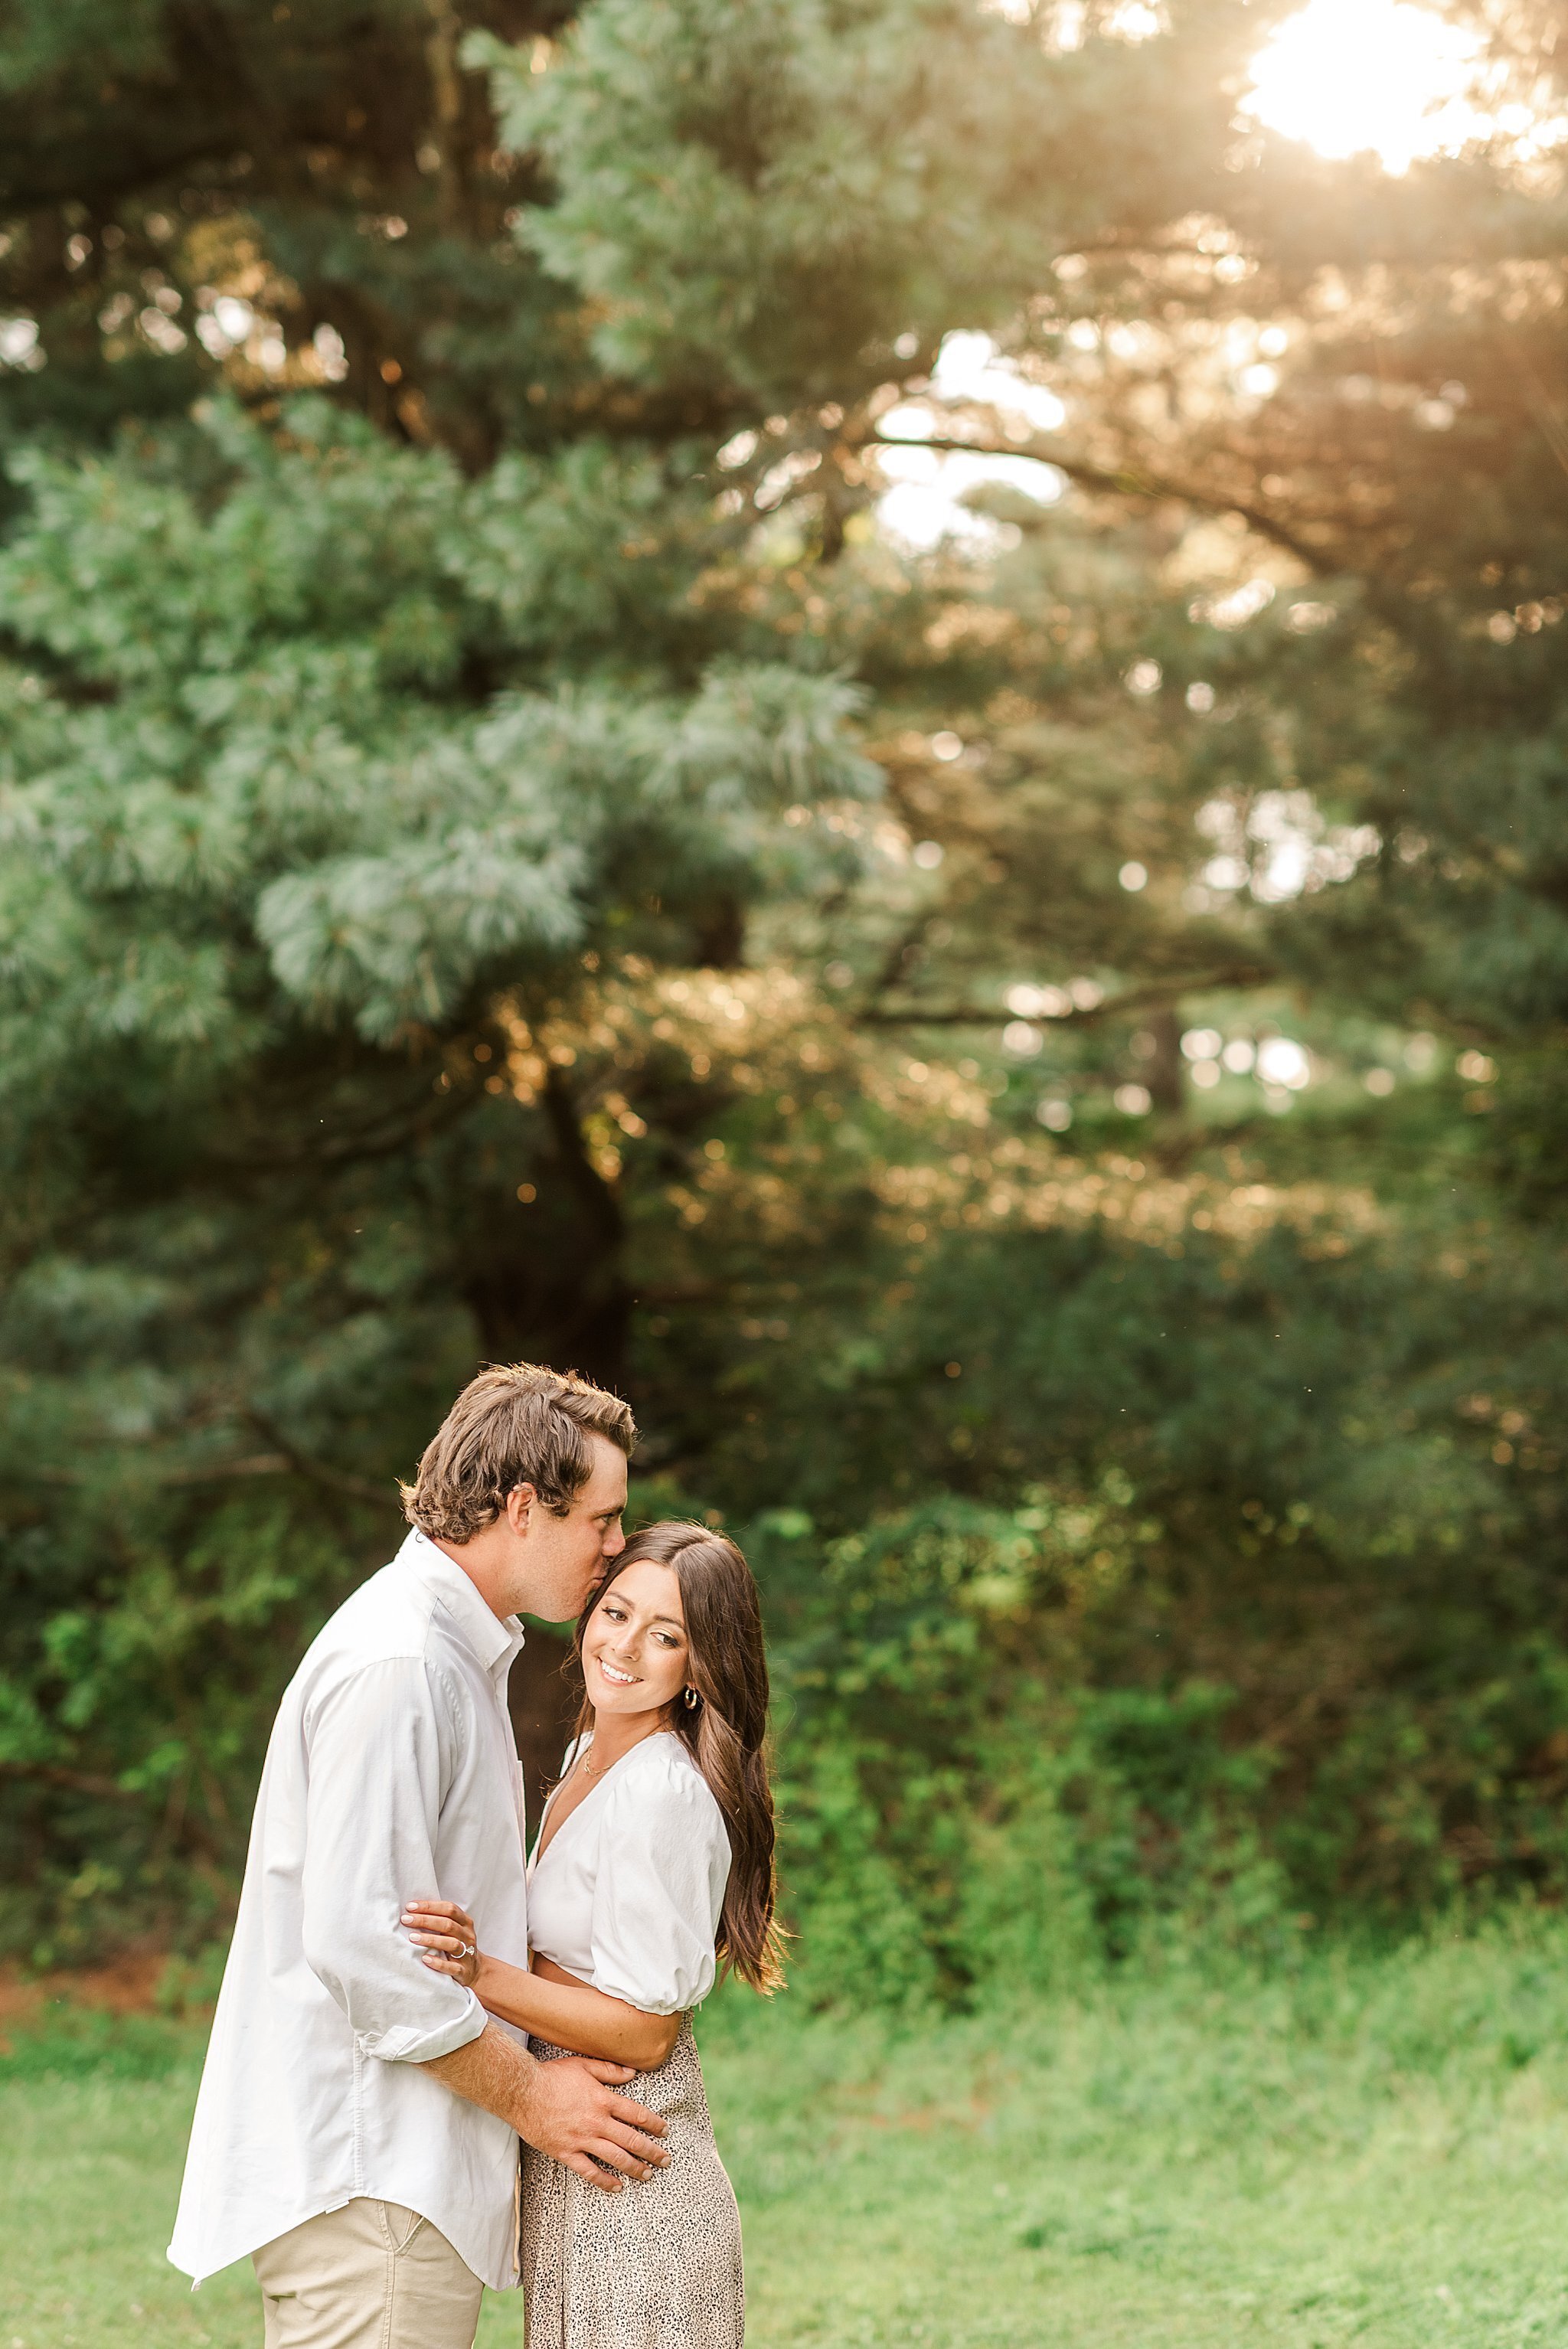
(516, 1423)
(726, 1732)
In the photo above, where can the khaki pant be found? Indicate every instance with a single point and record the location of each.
(369, 2276)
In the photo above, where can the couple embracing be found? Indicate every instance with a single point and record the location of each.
(408, 1996)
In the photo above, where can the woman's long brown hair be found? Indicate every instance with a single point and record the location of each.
(726, 1730)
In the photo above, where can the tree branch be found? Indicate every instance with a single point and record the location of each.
(73, 1782)
(909, 938)
(423, 1116)
(593, 1193)
(1134, 998)
(264, 1464)
(1125, 484)
(336, 1480)
(284, 1462)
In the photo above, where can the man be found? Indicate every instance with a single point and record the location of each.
(357, 2127)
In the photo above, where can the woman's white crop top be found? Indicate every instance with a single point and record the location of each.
(628, 1893)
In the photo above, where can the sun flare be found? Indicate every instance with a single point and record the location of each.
(1389, 77)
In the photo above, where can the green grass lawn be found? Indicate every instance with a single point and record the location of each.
(1368, 2150)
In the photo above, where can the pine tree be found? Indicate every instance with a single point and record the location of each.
(506, 855)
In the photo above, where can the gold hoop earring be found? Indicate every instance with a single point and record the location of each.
(692, 1700)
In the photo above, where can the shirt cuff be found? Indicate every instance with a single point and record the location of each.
(405, 2044)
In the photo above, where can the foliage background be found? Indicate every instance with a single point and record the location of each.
(1032, 1056)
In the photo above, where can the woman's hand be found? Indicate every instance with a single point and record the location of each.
(444, 1938)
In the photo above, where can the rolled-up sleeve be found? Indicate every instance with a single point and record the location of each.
(664, 1863)
(381, 1749)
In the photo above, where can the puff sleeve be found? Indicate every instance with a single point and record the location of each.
(664, 1864)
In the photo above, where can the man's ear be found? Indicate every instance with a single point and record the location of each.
(519, 1502)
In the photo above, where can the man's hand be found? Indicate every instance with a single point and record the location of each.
(567, 2107)
(570, 2110)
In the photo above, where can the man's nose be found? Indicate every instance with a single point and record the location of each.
(614, 1542)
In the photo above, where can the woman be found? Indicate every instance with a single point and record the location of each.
(653, 1872)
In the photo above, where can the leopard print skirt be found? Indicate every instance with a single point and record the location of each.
(656, 2266)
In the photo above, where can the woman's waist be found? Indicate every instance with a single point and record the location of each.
(674, 2088)
(549, 1969)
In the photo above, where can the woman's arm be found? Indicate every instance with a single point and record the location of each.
(553, 2007)
(550, 2003)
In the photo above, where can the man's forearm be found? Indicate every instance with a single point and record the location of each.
(491, 2071)
(567, 2110)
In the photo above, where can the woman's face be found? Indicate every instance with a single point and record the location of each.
(635, 1654)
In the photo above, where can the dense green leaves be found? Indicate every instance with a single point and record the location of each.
(1032, 1056)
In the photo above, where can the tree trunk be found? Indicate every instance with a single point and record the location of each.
(543, 1701)
(1164, 1066)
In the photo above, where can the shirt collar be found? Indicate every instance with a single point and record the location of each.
(495, 1641)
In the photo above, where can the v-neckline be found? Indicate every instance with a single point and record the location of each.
(547, 1841)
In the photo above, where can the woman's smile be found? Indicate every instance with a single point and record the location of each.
(634, 1647)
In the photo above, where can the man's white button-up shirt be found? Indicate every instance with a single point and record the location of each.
(392, 1771)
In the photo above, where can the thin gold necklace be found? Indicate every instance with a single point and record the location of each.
(587, 1767)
